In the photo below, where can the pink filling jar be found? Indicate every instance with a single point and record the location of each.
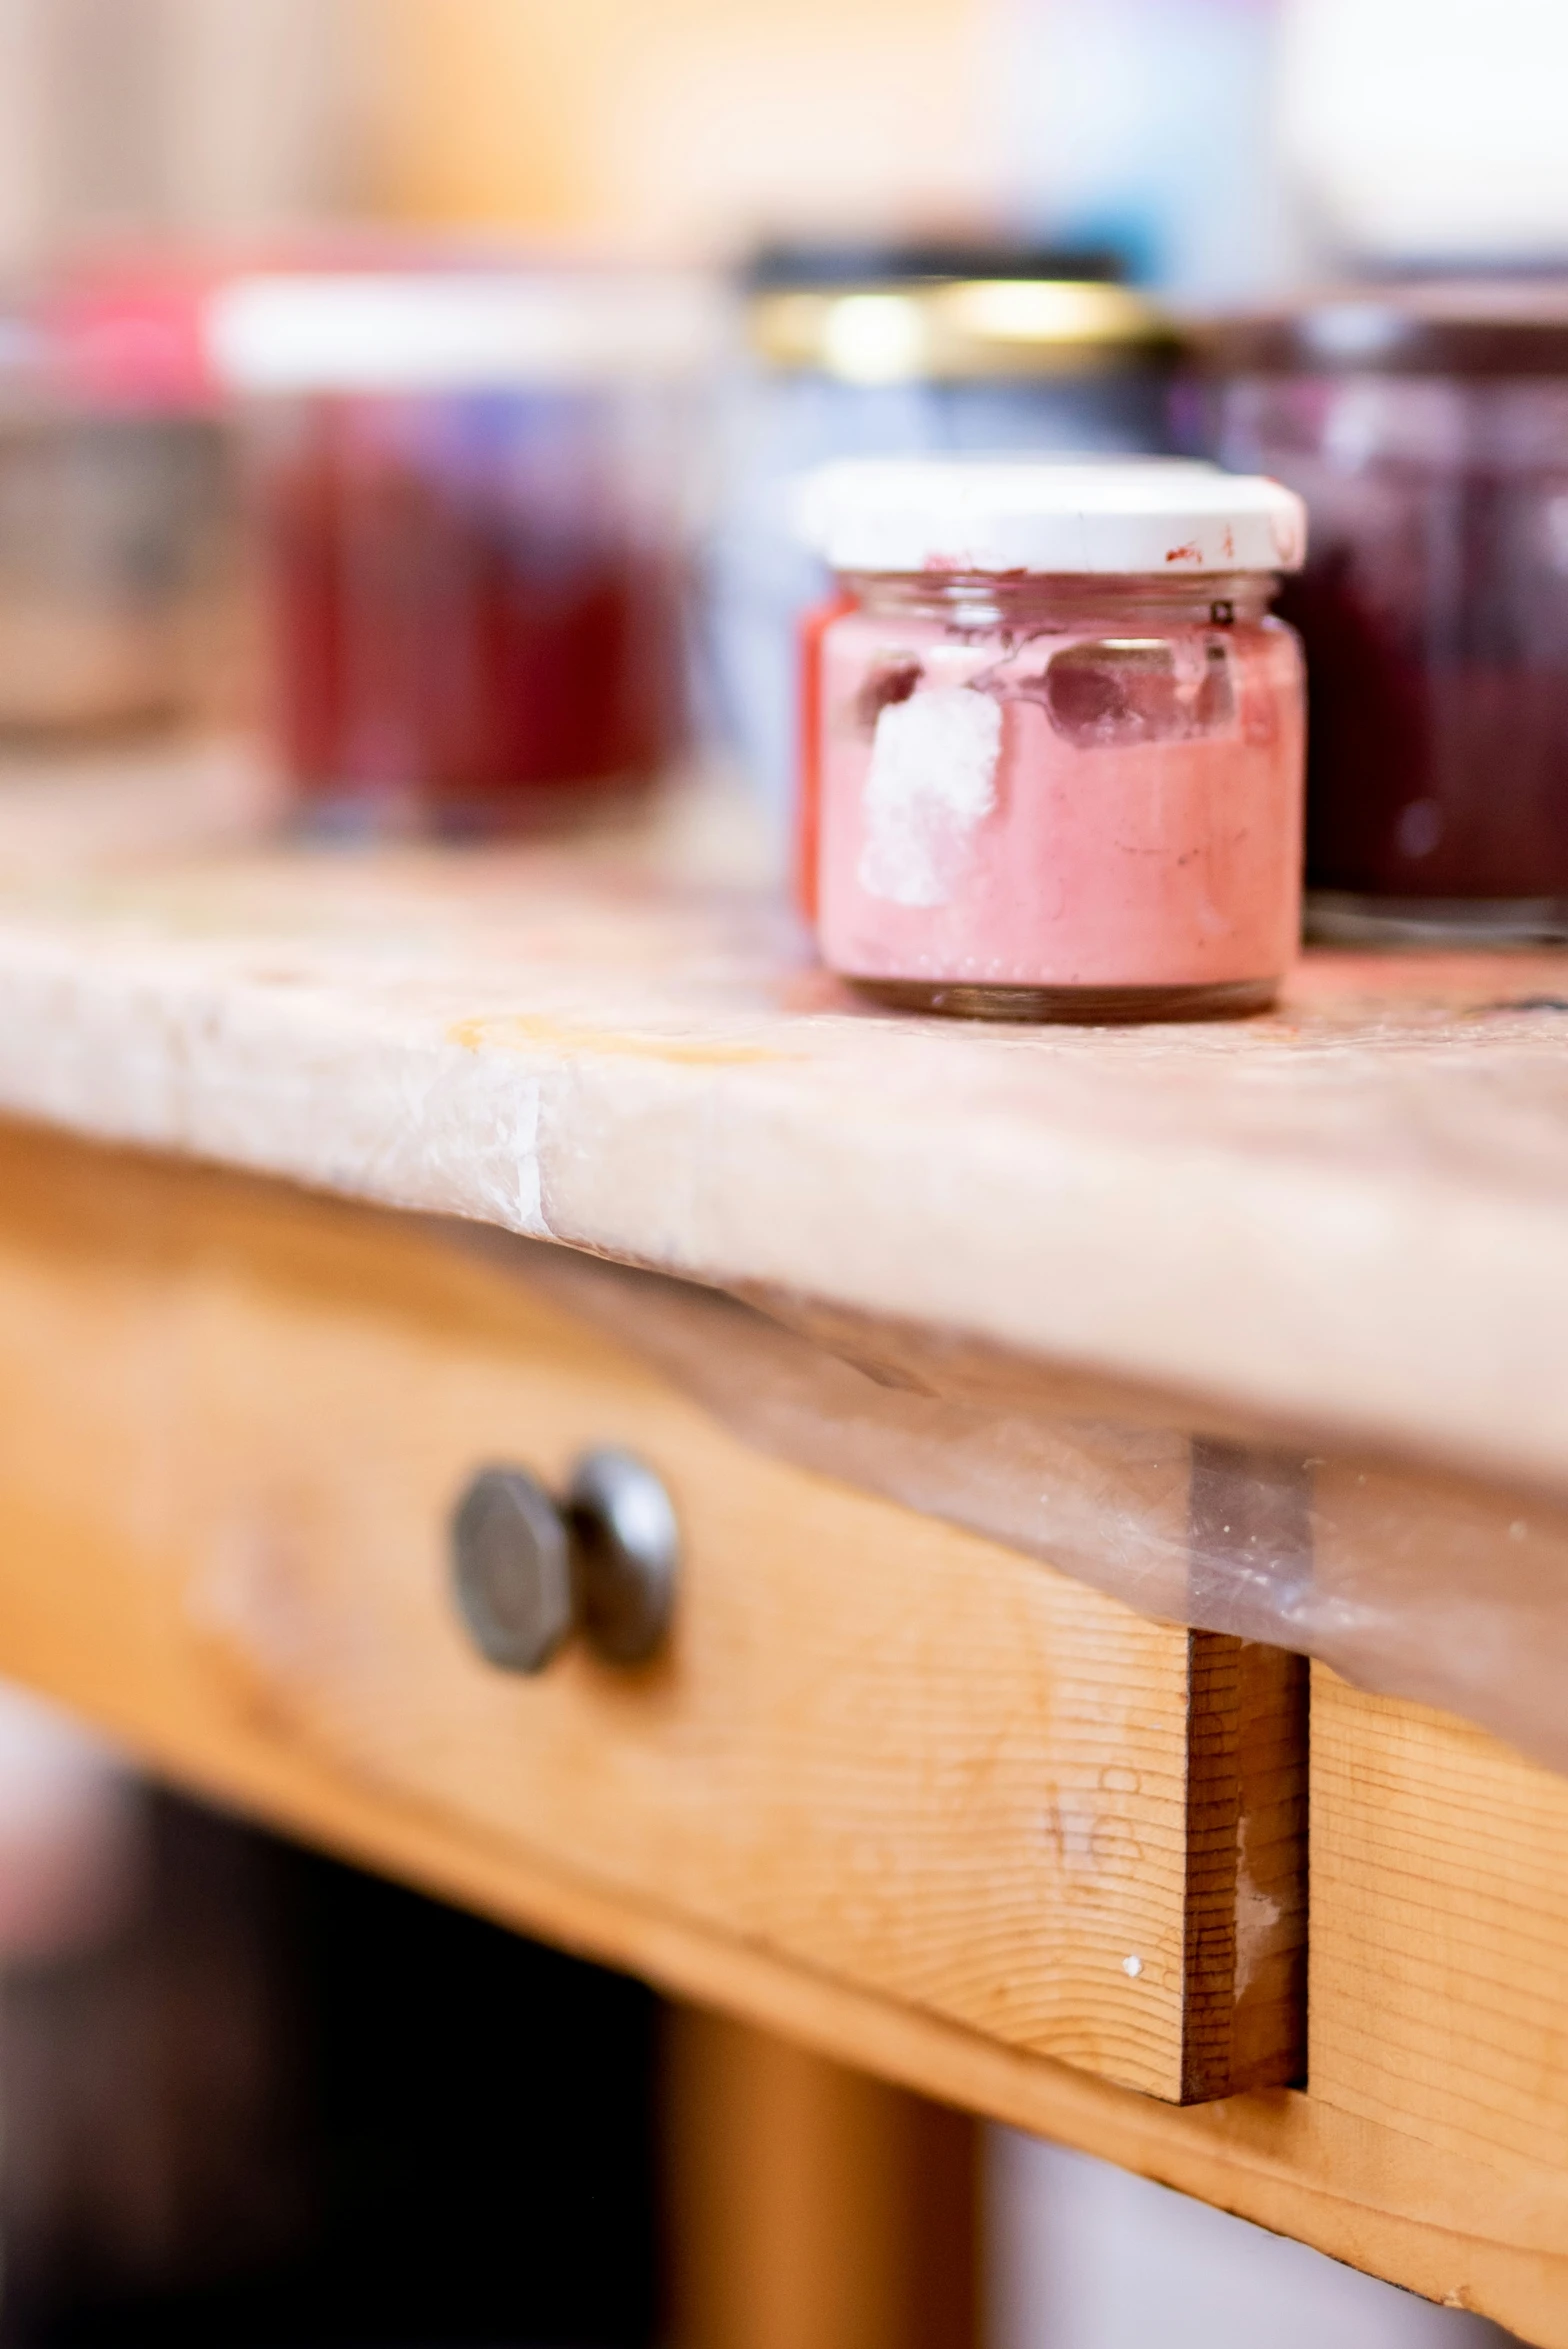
(1060, 739)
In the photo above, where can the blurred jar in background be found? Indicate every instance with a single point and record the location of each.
(891, 351)
(1427, 428)
(473, 498)
(118, 603)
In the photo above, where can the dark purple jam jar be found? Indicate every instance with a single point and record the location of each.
(1427, 429)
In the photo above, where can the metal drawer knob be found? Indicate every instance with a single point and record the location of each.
(528, 1571)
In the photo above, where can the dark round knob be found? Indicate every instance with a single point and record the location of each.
(625, 1547)
(527, 1572)
(512, 1569)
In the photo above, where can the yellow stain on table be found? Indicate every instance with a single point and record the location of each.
(519, 1029)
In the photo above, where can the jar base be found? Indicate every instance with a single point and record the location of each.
(395, 815)
(1091, 1007)
(1343, 917)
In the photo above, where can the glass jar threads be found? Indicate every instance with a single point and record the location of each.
(1427, 429)
(1059, 738)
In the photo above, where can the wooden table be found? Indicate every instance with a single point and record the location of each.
(291, 1138)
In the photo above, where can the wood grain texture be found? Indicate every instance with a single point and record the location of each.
(1440, 1931)
(1345, 1219)
(109, 1289)
(886, 1750)
(114, 1279)
(1246, 1887)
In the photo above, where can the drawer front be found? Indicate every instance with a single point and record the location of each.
(871, 1745)
(1440, 2005)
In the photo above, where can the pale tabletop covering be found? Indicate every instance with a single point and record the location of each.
(1349, 1216)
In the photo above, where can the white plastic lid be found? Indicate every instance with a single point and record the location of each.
(425, 331)
(1062, 516)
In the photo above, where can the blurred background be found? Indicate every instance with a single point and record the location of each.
(1225, 147)
(247, 2095)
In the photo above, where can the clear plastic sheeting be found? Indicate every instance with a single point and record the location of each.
(1403, 1579)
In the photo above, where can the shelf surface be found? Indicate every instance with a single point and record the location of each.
(1351, 1215)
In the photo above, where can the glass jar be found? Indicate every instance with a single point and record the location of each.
(473, 501)
(1427, 430)
(1060, 738)
(850, 351)
(119, 607)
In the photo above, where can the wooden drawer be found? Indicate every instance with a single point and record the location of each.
(235, 1421)
(1440, 2003)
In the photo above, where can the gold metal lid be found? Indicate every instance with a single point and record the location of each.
(958, 329)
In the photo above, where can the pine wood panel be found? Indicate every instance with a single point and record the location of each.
(104, 1302)
(1439, 1964)
(889, 1751)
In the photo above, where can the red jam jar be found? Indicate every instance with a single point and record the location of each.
(1059, 750)
(1427, 428)
(472, 495)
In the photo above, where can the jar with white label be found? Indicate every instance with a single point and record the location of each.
(1054, 768)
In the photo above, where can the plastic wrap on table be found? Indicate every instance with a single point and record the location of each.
(1406, 1580)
